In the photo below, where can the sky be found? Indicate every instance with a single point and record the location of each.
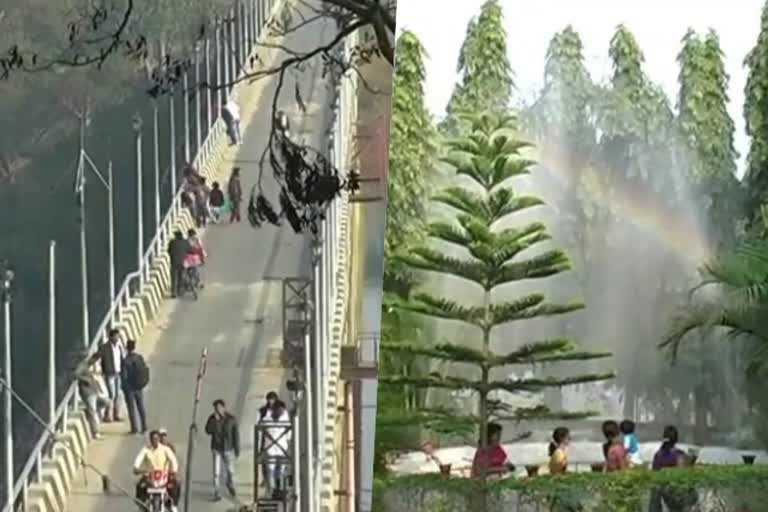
(658, 25)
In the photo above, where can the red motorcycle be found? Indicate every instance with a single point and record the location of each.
(158, 499)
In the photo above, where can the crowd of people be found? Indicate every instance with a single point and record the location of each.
(116, 375)
(621, 451)
(211, 204)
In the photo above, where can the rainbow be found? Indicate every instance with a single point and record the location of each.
(640, 206)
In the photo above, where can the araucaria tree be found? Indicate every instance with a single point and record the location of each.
(489, 156)
(486, 75)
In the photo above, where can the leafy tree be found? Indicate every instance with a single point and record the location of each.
(411, 156)
(563, 111)
(703, 106)
(486, 76)
(489, 156)
(756, 118)
(741, 308)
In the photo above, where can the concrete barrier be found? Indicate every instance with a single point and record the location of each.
(50, 492)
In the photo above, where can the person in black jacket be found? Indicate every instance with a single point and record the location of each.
(177, 251)
(225, 446)
(110, 355)
(134, 376)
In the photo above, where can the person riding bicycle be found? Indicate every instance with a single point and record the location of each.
(156, 457)
(194, 259)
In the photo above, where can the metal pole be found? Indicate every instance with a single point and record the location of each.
(232, 48)
(7, 397)
(198, 92)
(111, 234)
(172, 122)
(296, 455)
(319, 340)
(83, 238)
(208, 92)
(225, 57)
(156, 155)
(217, 49)
(52, 335)
(185, 97)
(309, 401)
(193, 426)
(139, 200)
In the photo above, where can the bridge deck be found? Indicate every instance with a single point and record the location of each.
(238, 316)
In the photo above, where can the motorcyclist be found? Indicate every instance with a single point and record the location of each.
(157, 457)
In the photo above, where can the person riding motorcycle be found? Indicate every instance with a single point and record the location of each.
(156, 457)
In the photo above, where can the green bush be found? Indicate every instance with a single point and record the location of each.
(702, 489)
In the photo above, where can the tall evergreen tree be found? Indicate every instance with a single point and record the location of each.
(489, 155)
(486, 75)
(756, 117)
(563, 110)
(411, 155)
(702, 106)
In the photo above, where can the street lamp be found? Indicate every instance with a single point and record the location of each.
(7, 275)
(136, 125)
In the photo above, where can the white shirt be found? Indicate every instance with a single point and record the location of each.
(277, 439)
(233, 110)
(118, 353)
(161, 458)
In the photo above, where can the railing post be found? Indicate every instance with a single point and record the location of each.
(137, 125)
(198, 120)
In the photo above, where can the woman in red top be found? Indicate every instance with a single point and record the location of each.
(615, 454)
(491, 460)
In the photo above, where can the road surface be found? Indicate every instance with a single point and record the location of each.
(238, 316)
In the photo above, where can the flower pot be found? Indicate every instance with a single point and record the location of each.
(598, 467)
(532, 470)
(445, 469)
(748, 459)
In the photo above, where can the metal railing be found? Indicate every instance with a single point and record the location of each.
(31, 471)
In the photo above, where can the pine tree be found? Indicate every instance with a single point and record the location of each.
(486, 75)
(412, 149)
(490, 155)
(703, 106)
(756, 117)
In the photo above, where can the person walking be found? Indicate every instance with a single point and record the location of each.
(90, 392)
(265, 411)
(231, 116)
(135, 379)
(225, 446)
(277, 444)
(235, 193)
(177, 251)
(201, 203)
(111, 355)
(216, 201)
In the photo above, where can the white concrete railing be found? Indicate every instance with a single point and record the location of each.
(258, 13)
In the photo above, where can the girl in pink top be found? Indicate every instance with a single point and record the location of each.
(614, 451)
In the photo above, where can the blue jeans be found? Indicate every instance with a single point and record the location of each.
(134, 402)
(113, 389)
(227, 459)
(94, 406)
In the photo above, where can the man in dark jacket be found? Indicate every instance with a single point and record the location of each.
(135, 375)
(225, 446)
(177, 251)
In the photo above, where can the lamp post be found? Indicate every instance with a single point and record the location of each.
(296, 389)
(7, 282)
(136, 124)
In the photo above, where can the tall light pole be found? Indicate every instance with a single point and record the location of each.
(80, 192)
(52, 334)
(7, 276)
(136, 124)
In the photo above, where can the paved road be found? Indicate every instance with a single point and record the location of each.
(238, 316)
